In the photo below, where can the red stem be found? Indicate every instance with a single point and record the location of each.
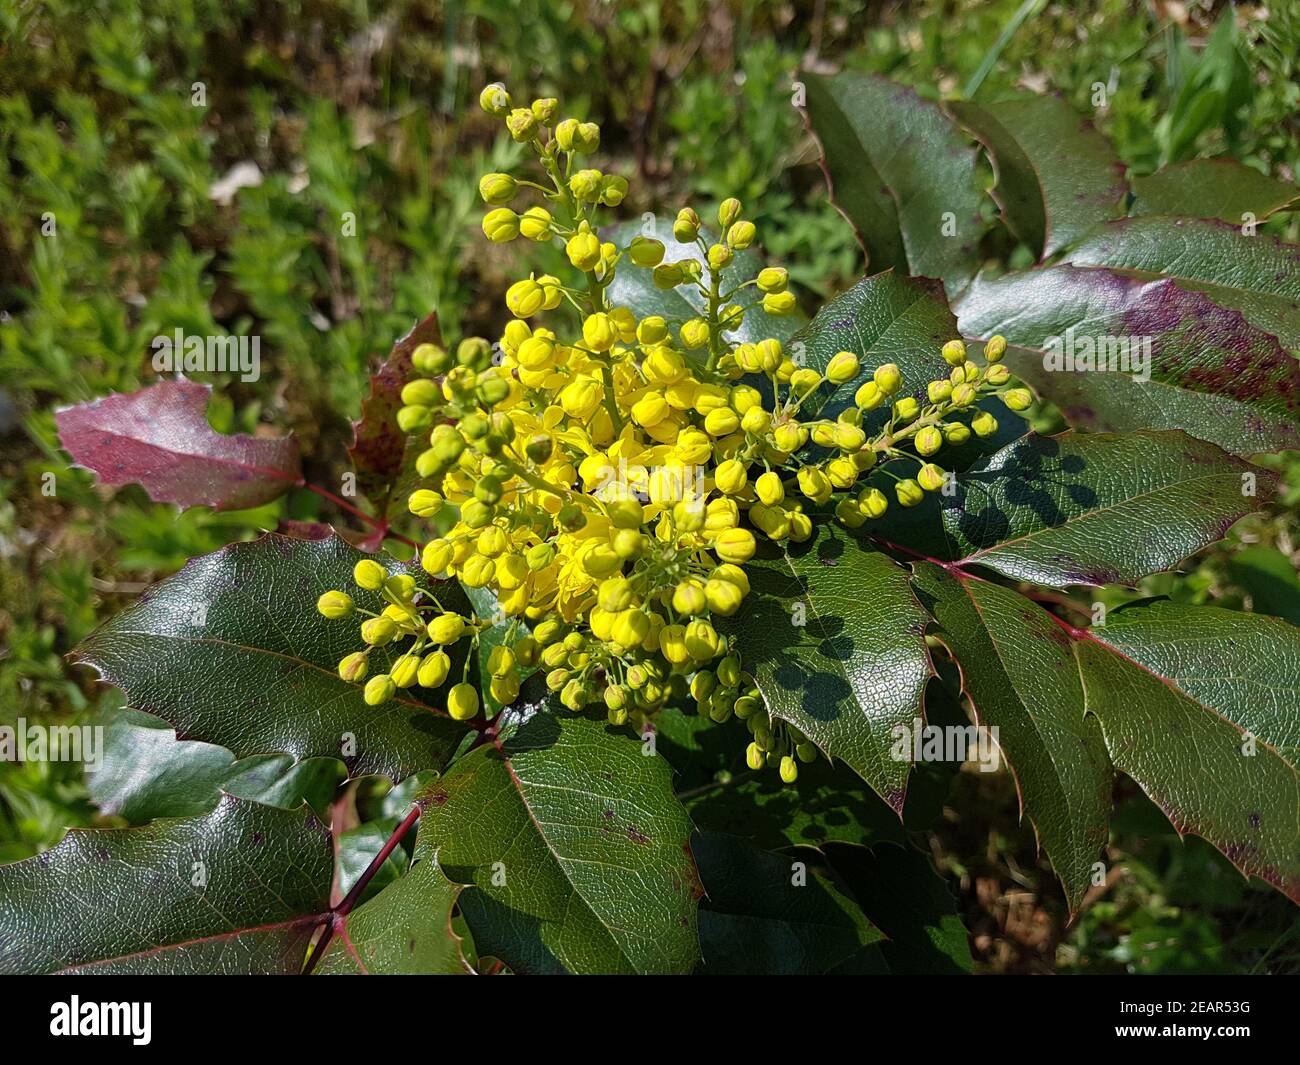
(336, 917)
(369, 519)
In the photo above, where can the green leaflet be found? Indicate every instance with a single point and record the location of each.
(232, 651)
(575, 847)
(1019, 669)
(1098, 508)
(764, 915)
(239, 890)
(1256, 275)
(1056, 175)
(902, 174)
(1219, 188)
(1212, 373)
(835, 641)
(1201, 707)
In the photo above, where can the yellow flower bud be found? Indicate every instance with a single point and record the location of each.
(462, 702)
(909, 493)
(789, 770)
(719, 257)
(956, 433)
(436, 557)
(501, 226)
(535, 223)
(497, 189)
(728, 212)
(734, 545)
(701, 640)
(583, 250)
(626, 513)
(369, 574)
(995, 348)
(954, 353)
(888, 378)
(544, 110)
(906, 408)
(525, 298)
(730, 476)
(740, 235)
(814, 484)
(724, 598)
(379, 689)
(869, 396)
(646, 251)
(842, 368)
(652, 330)
(353, 667)
(686, 227)
(779, 304)
(695, 333)
(424, 503)
(939, 391)
(928, 440)
(983, 424)
(566, 134)
(1018, 398)
(772, 279)
(335, 605)
(522, 124)
(631, 627)
(963, 395)
(722, 421)
(446, 628)
(404, 670)
(873, 502)
(598, 331)
(495, 100)
(931, 477)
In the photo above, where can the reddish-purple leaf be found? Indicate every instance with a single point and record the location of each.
(160, 439)
(378, 446)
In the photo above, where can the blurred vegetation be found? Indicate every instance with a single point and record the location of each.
(194, 164)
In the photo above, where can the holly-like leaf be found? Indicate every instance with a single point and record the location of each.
(1257, 275)
(634, 288)
(160, 439)
(146, 772)
(1097, 508)
(760, 919)
(884, 318)
(1213, 188)
(232, 651)
(1211, 371)
(575, 847)
(835, 641)
(825, 804)
(1018, 668)
(1057, 176)
(902, 895)
(901, 172)
(240, 890)
(1201, 707)
(379, 448)
(405, 930)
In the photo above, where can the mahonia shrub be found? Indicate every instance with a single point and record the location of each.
(693, 595)
(610, 482)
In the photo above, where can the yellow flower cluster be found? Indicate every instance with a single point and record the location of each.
(608, 482)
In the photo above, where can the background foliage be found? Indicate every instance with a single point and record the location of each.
(321, 107)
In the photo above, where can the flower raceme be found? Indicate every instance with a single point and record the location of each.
(607, 476)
